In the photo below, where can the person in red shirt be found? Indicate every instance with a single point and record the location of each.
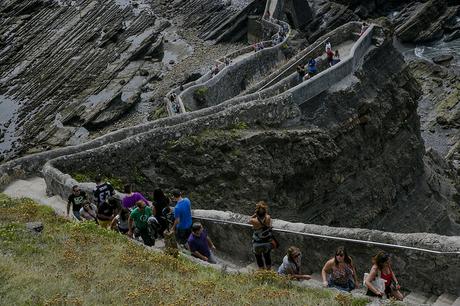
(330, 56)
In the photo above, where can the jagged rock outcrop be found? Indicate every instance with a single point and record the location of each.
(73, 65)
(429, 21)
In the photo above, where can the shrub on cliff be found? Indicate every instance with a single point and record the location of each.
(200, 94)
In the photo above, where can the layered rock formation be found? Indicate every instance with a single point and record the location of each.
(74, 65)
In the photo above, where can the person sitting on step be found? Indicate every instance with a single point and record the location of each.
(342, 271)
(89, 212)
(106, 212)
(291, 264)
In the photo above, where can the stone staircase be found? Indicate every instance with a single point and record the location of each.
(413, 298)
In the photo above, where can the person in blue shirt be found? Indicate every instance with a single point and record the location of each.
(200, 244)
(182, 217)
(311, 68)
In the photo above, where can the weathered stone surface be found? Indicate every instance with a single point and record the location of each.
(414, 268)
(442, 59)
(452, 36)
(421, 22)
(360, 151)
(36, 227)
(61, 59)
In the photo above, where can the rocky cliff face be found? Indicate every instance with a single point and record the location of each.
(74, 65)
(414, 21)
(354, 158)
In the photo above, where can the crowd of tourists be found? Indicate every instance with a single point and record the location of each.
(142, 219)
(147, 221)
(338, 272)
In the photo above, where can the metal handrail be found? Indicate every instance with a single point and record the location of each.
(367, 242)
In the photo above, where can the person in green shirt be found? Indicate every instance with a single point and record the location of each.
(142, 218)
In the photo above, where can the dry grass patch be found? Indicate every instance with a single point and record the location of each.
(83, 264)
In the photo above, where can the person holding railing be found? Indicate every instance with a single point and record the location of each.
(342, 271)
(381, 268)
(291, 264)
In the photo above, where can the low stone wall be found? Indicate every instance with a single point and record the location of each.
(336, 37)
(113, 157)
(325, 79)
(229, 81)
(416, 268)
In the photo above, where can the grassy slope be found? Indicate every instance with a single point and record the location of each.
(80, 263)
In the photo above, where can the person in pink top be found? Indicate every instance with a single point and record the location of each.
(129, 201)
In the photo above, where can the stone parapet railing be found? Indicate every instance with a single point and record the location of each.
(325, 79)
(113, 157)
(185, 95)
(421, 261)
(337, 36)
(31, 165)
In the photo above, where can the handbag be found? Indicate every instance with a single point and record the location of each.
(378, 282)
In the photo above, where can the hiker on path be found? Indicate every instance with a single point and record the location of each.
(89, 212)
(200, 244)
(182, 217)
(262, 237)
(141, 217)
(336, 57)
(102, 191)
(106, 212)
(329, 57)
(291, 264)
(342, 272)
(76, 199)
(381, 267)
(160, 202)
(131, 198)
(120, 222)
(300, 73)
(327, 45)
(311, 69)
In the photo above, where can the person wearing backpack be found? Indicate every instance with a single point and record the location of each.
(262, 236)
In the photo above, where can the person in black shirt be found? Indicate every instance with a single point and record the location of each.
(102, 191)
(76, 199)
(160, 202)
(106, 212)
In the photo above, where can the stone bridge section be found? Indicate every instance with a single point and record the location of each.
(32, 164)
(234, 78)
(425, 262)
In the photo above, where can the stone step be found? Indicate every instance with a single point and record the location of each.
(445, 299)
(456, 302)
(417, 298)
